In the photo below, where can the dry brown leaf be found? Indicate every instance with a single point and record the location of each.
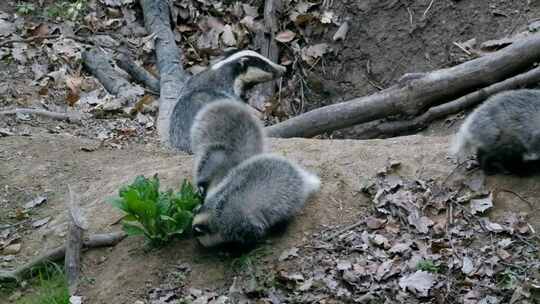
(375, 223)
(228, 36)
(418, 283)
(285, 36)
(6, 28)
(311, 53)
(250, 10)
(74, 84)
(481, 205)
(40, 30)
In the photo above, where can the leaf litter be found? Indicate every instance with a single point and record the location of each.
(394, 254)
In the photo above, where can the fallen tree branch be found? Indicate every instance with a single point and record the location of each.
(99, 64)
(58, 253)
(382, 129)
(69, 117)
(416, 95)
(74, 243)
(138, 73)
(28, 40)
(169, 61)
(268, 47)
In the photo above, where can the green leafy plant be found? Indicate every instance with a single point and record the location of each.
(159, 216)
(427, 265)
(25, 8)
(507, 279)
(71, 10)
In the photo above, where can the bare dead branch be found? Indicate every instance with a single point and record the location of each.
(74, 243)
(433, 88)
(138, 73)
(99, 64)
(169, 61)
(69, 117)
(28, 40)
(381, 129)
(94, 241)
(262, 93)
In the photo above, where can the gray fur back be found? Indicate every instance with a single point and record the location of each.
(228, 122)
(229, 125)
(200, 90)
(512, 115)
(261, 192)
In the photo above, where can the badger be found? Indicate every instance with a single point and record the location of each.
(503, 133)
(224, 133)
(262, 192)
(225, 79)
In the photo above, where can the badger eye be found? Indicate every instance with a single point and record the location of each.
(202, 187)
(199, 230)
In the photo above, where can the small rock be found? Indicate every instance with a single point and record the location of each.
(75, 300)
(467, 267)
(12, 249)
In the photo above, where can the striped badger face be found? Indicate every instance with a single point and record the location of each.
(250, 68)
(203, 228)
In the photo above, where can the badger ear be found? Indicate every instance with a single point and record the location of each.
(243, 63)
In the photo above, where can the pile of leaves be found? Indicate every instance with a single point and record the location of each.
(421, 243)
(159, 216)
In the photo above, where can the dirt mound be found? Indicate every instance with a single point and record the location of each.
(48, 163)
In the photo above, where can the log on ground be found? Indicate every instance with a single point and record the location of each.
(169, 61)
(432, 89)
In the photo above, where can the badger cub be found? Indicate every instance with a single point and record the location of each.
(260, 193)
(225, 79)
(503, 133)
(224, 133)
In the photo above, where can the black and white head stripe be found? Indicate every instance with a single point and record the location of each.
(258, 59)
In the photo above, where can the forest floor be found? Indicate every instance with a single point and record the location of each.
(398, 191)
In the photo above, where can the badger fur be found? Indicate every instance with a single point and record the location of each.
(260, 193)
(225, 79)
(224, 133)
(503, 133)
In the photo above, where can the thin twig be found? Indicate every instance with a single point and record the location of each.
(69, 117)
(340, 232)
(27, 40)
(94, 241)
(462, 48)
(518, 196)
(428, 8)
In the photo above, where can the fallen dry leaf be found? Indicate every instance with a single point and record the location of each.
(418, 283)
(375, 223)
(228, 36)
(41, 222)
(481, 205)
(311, 53)
(292, 252)
(285, 36)
(35, 202)
(6, 28)
(74, 84)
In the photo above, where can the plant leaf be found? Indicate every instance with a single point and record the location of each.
(133, 229)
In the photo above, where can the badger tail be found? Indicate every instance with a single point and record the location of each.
(312, 182)
(462, 144)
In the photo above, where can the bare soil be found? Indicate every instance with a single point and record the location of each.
(47, 163)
